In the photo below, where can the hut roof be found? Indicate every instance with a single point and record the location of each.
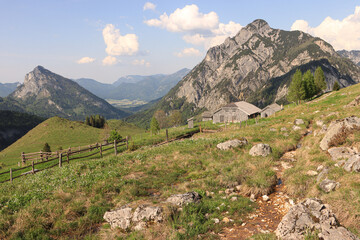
(273, 106)
(207, 114)
(247, 108)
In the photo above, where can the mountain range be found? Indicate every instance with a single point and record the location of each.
(255, 65)
(47, 94)
(7, 88)
(134, 87)
(353, 55)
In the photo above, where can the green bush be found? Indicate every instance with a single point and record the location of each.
(114, 135)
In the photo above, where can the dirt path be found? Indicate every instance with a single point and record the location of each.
(266, 217)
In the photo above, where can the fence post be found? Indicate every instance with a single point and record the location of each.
(101, 150)
(11, 179)
(60, 160)
(32, 167)
(167, 135)
(115, 147)
(127, 142)
(41, 155)
(90, 148)
(68, 155)
(200, 128)
(23, 158)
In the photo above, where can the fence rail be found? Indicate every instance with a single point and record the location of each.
(30, 160)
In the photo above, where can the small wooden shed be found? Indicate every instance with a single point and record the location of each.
(270, 110)
(207, 116)
(236, 112)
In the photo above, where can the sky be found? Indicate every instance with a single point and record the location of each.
(107, 39)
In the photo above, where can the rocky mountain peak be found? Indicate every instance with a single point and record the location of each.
(258, 25)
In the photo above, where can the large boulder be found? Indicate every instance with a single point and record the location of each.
(328, 185)
(260, 149)
(339, 153)
(299, 122)
(337, 128)
(312, 215)
(232, 144)
(353, 164)
(182, 199)
(125, 218)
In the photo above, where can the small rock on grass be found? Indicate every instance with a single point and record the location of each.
(328, 185)
(265, 198)
(311, 173)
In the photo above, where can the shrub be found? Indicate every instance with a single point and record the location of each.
(336, 86)
(46, 148)
(114, 135)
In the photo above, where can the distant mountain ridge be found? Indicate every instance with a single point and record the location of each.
(47, 94)
(7, 88)
(353, 55)
(134, 87)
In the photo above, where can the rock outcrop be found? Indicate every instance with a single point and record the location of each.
(353, 164)
(260, 149)
(339, 127)
(312, 215)
(328, 185)
(232, 144)
(183, 199)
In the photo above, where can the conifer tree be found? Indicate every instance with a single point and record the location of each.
(309, 85)
(336, 86)
(296, 89)
(87, 120)
(319, 80)
(46, 148)
(154, 126)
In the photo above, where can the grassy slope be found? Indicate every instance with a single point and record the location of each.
(72, 200)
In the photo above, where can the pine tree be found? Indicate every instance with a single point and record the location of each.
(319, 80)
(309, 85)
(336, 86)
(46, 148)
(87, 120)
(154, 126)
(114, 135)
(296, 90)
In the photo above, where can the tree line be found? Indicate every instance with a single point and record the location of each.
(305, 86)
(95, 121)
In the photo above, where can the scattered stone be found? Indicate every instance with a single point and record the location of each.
(265, 198)
(229, 190)
(238, 187)
(336, 128)
(124, 218)
(328, 185)
(260, 149)
(226, 220)
(243, 224)
(182, 199)
(311, 214)
(272, 130)
(311, 173)
(322, 174)
(320, 123)
(286, 165)
(221, 192)
(353, 164)
(253, 197)
(354, 103)
(295, 128)
(233, 199)
(289, 156)
(216, 220)
(299, 122)
(283, 129)
(232, 144)
(337, 153)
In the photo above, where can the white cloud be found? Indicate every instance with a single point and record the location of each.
(109, 60)
(85, 60)
(116, 44)
(186, 19)
(342, 34)
(199, 28)
(140, 62)
(187, 52)
(149, 6)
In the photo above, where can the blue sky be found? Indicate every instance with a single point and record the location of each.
(105, 40)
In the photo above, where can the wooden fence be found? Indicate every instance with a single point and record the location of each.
(33, 159)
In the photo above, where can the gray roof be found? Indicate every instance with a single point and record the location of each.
(273, 106)
(207, 114)
(247, 108)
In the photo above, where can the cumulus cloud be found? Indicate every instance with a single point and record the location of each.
(140, 62)
(109, 60)
(198, 28)
(149, 6)
(188, 52)
(341, 34)
(85, 60)
(118, 45)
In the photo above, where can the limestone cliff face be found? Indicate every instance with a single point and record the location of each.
(241, 66)
(47, 94)
(353, 55)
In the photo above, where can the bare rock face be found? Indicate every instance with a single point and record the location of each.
(260, 149)
(311, 215)
(125, 218)
(336, 127)
(328, 185)
(338, 153)
(182, 199)
(232, 144)
(353, 164)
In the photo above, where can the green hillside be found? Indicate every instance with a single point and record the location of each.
(71, 201)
